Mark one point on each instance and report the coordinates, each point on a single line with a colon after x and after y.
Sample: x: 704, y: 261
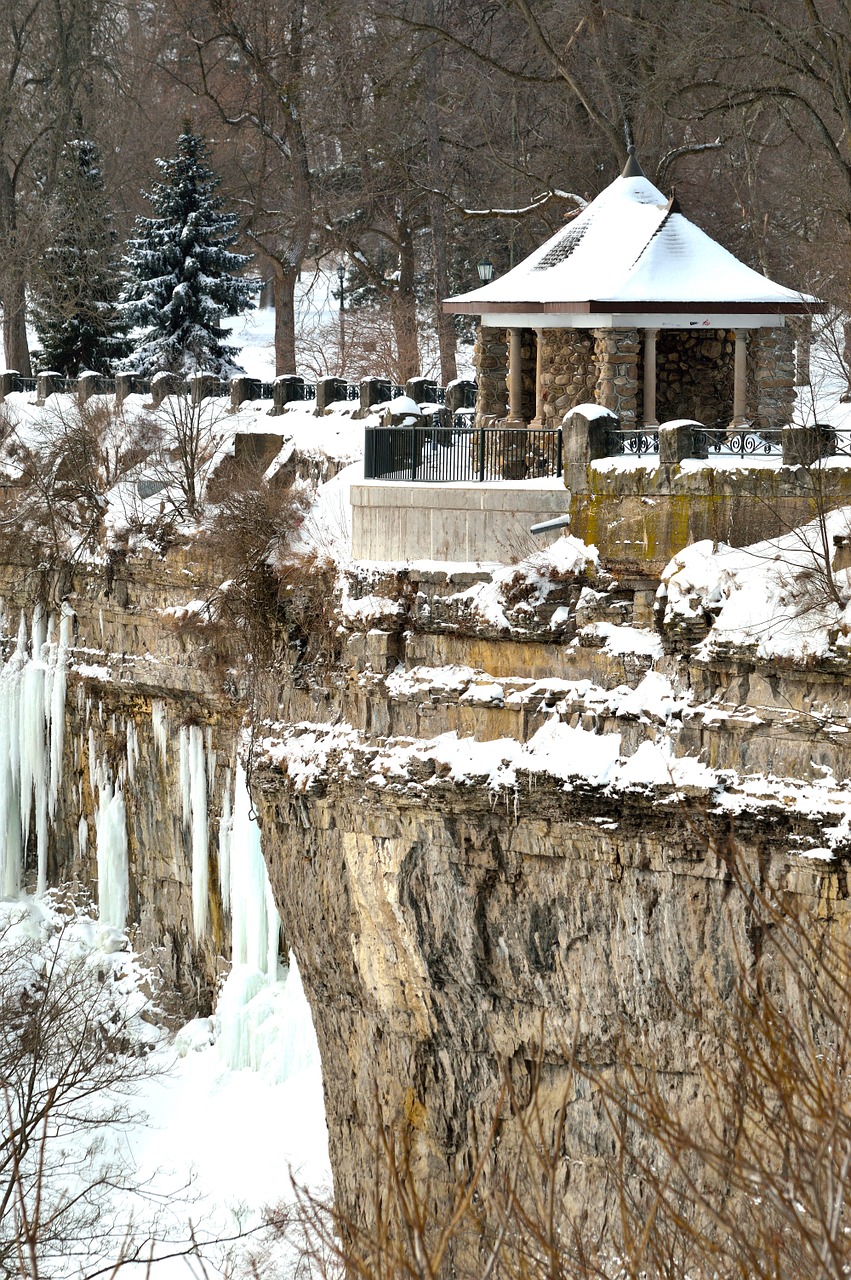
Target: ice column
x: 263, y: 1017
x: 32, y: 727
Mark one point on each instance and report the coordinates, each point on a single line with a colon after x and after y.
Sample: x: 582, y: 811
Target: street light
x: 485, y: 270
x: 341, y: 276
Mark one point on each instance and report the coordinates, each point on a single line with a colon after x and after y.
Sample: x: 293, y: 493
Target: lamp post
x: 485, y: 270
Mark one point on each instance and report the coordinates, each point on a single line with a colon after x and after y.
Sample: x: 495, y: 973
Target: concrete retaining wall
x: 442, y: 522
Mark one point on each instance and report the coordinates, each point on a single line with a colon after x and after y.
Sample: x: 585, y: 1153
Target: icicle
x: 263, y: 1018
x: 200, y: 832
x: 111, y: 836
x: 32, y: 728
x: 225, y: 836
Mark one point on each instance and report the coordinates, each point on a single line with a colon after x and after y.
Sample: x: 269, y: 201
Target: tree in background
x: 182, y: 272
x: 75, y: 297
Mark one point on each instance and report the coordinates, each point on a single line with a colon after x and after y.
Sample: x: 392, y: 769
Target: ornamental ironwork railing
x: 744, y: 442
x: 634, y: 443
x: 461, y: 452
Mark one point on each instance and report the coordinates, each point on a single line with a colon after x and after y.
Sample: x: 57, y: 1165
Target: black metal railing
x: 24, y: 384
x: 744, y: 442
x: 461, y: 452
x: 632, y: 442
x: 352, y: 391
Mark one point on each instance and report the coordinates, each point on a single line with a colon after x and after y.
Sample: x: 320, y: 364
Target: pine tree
x: 75, y: 298
x: 181, y: 270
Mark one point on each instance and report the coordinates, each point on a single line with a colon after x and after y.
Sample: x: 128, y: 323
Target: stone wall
x: 771, y: 376
x: 694, y: 376
x: 568, y: 371
x: 528, y: 372
x: 619, y: 385
x: 490, y: 358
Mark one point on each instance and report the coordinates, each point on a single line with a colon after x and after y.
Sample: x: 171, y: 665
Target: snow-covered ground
x: 200, y: 1148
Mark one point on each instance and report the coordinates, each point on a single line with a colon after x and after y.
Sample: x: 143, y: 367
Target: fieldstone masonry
x: 568, y: 371
x: 694, y: 376
x: 619, y: 385
x: 771, y: 376
x: 491, y: 360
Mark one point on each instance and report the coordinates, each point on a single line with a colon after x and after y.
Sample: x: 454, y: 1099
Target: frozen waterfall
x: 32, y: 726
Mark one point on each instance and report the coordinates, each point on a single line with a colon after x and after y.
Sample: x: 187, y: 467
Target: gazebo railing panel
x: 744, y: 442
x: 632, y: 442
x: 461, y: 453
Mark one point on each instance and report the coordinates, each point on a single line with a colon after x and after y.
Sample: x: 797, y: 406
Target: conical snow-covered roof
x: 631, y: 250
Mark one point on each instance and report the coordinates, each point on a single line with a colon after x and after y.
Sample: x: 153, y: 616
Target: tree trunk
x: 445, y: 324
x: 404, y: 308
x: 15, y: 345
x: 284, y: 292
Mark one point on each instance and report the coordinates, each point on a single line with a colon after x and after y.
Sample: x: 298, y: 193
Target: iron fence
x: 744, y: 442
x: 631, y: 442
x: 462, y: 452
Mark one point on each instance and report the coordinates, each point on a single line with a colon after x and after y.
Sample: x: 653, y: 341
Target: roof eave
x: 607, y: 306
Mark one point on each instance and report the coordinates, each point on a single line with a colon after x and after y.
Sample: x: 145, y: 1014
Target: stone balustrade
x: 284, y: 390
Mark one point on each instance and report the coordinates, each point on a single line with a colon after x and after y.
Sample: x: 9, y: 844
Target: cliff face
x: 516, y: 844
x: 502, y: 820
x: 145, y: 699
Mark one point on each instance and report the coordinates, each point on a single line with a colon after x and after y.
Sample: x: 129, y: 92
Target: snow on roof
x: 630, y: 245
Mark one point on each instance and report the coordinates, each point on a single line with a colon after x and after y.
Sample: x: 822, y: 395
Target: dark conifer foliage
x: 75, y: 295
x: 182, y: 275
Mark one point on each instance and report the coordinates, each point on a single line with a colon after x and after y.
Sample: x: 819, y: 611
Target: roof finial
x: 632, y: 169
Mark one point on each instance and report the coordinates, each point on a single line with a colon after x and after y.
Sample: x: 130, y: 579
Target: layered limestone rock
x: 507, y: 829
x: 499, y: 813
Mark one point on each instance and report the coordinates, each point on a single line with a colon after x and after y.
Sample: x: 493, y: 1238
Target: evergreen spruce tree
x: 181, y: 272
x: 75, y: 297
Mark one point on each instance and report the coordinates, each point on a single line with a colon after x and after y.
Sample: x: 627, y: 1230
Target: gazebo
x: 633, y: 306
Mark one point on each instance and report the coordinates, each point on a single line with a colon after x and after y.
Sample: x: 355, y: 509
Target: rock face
x: 499, y: 818
x: 481, y: 913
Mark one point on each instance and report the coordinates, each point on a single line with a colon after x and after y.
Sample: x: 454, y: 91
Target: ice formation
x: 32, y: 723
x: 263, y: 1017
x: 111, y: 837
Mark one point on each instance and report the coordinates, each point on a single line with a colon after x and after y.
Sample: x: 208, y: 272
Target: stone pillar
x: 490, y: 358
x: 771, y: 377
x: 539, y: 387
x: 515, y: 375
x: 677, y: 441
x: 616, y: 358
x: 123, y: 386
x: 421, y: 390
x: 8, y: 382
x: 373, y: 391
x: 803, y: 333
x: 204, y: 386
x: 87, y: 385
x: 740, y: 380
x: 243, y: 388
x: 47, y: 384
x: 328, y: 390
x: 650, y: 419
x: 286, y: 388
x: 460, y: 394
x: 167, y: 384
x: 584, y: 433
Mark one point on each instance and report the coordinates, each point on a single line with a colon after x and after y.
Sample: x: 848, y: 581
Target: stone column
x: 515, y: 375
x: 539, y: 388
x: 740, y: 380
x: 650, y: 419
